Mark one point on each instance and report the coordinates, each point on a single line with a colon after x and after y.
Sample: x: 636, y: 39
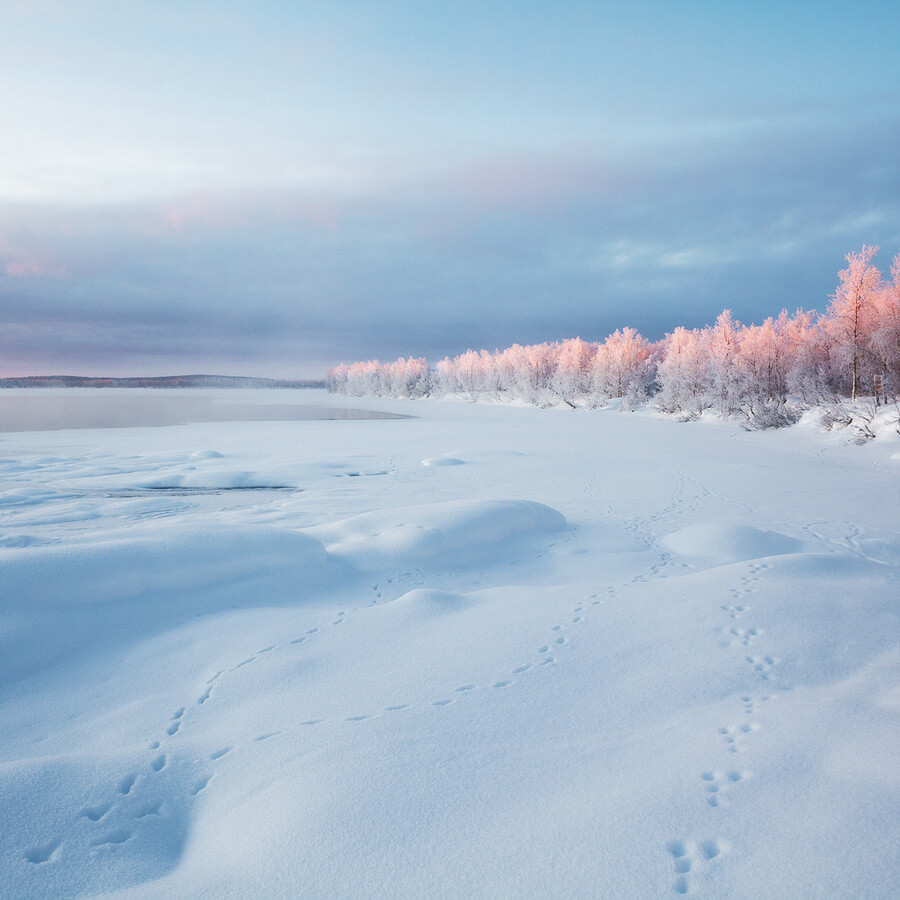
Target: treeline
x: 766, y: 373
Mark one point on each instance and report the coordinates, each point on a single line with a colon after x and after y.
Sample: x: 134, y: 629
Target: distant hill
x: 164, y: 381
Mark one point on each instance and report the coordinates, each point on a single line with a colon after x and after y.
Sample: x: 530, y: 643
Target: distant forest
x: 765, y: 373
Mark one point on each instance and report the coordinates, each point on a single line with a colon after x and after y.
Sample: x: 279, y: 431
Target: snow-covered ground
x: 487, y: 651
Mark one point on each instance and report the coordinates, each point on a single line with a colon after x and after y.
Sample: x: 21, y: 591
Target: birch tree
x: 851, y: 315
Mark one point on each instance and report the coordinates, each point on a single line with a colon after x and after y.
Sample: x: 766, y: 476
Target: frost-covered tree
x: 813, y: 376
x: 851, y: 316
x: 359, y: 379
x: 540, y: 366
x: 682, y: 374
x: 571, y: 379
x: 623, y: 366
x: 469, y: 368
x: 445, y: 380
x: 725, y: 374
x: 407, y: 378
x: 750, y: 370
x: 885, y: 338
x: 768, y: 354
x: 525, y: 372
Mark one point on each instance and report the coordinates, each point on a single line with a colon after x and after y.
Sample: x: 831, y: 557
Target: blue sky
x: 274, y: 187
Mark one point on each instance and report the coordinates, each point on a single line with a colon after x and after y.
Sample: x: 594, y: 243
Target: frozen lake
x: 52, y: 409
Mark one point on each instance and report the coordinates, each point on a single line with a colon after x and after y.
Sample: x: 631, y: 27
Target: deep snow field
x: 486, y: 652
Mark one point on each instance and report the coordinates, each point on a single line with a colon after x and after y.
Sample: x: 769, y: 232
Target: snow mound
x: 463, y: 529
x: 427, y: 603
x: 183, y: 558
x: 61, y: 599
x: 217, y: 479
x: 433, y: 461
x: 728, y: 543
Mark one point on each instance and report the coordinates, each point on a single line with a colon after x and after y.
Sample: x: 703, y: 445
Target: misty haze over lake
x: 73, y: 408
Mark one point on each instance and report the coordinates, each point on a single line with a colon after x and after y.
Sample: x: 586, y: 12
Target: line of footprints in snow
x: 688, y: 857
x: 134, y: 783
x: 694, y: 856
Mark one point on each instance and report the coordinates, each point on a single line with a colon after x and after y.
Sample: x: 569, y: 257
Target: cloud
x: 24, y: 262
x: 484, y: 251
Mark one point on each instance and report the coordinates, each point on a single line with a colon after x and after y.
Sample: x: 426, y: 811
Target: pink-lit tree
x: 851, y: 320
x: 623, y: 366
x: 571, y: 379
x: 682, y: 374
x: 749, y: 371
x: 885, y: 338
x: 725, y: 376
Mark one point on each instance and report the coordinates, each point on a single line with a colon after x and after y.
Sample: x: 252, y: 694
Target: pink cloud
x: 18, y: 263
x: 223, y: 213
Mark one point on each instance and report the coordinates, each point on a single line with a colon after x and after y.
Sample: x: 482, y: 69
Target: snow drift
x: 726, y: 543
x: 466, y: 529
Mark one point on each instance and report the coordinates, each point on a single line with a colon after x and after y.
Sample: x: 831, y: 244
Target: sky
x: 270, y: 188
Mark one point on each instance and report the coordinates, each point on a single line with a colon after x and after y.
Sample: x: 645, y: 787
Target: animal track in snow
x: 218, y: 754
x: 95, y: 813
x: 116, y: 836
x: 733, y: 735
x: 126, y: 784
x: 200, y: 785
x: 159, y: 763
x: 734, y: 612
x: 747, y: 581
x: 465, y: 687
x: 174, y: 726
x: 43, y: 853
x: 744, y: 636
x: 750, y: 703
x: 501, y: 684
x: 149, y: 809
x: 762, y: 665
x: 689, y: 857
x: 715, y: 781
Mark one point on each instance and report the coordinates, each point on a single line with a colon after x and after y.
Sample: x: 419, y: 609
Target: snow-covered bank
x: 586, y: 655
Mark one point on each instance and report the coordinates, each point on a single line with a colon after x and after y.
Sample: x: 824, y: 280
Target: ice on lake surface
x: 486, y: 651
x: 35, y: 409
